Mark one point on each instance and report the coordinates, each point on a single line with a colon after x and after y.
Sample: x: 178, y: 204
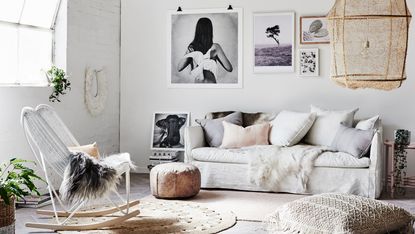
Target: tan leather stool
x: 174, y: 180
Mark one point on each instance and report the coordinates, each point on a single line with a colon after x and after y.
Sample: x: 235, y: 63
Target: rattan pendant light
x: 369, y: 40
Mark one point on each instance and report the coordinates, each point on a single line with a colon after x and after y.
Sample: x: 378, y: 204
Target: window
x: 26, y: 41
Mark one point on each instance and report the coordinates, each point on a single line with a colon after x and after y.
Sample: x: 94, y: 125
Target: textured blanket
x: 86, y: 178
x: 268, y: 168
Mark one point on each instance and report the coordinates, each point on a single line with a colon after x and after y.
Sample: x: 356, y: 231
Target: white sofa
x: 333, y: 172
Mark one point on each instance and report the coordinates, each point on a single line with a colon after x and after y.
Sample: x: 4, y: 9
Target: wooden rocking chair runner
x: 49, y: 139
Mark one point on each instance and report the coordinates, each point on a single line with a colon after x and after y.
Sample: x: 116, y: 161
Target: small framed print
x: 168, y: 130
x: 274, y: 41
x: 309, y: 62
x: 313, y: 30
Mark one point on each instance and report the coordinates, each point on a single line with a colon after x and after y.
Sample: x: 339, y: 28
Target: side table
x: 408, y: 182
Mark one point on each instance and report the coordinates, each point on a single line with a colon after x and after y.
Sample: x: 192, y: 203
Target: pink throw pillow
x: 237, y: 136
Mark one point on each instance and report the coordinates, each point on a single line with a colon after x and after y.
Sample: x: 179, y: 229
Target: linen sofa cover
x: 227, y: 169
x: 243, y: 155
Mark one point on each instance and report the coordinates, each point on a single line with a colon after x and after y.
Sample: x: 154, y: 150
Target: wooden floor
x: 140, y: 188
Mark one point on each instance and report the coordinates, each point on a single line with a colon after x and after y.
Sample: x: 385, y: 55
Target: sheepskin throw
x: 339, y: 213
x: 86, y: 178
x: 268, y: 168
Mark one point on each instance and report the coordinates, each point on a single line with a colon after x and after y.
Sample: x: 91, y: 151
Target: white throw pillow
x: 368, y: 123
x: 288, y: 128
x: 326, y: 125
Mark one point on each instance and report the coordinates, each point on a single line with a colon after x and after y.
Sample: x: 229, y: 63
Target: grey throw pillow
x: 213, y: 128
x: 353, y: 141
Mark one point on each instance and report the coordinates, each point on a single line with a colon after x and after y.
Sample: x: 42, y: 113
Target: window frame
x: 51, y: 29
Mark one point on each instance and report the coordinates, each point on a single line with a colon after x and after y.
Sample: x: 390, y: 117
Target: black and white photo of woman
x: 202, y: 54
x: 204, y: 49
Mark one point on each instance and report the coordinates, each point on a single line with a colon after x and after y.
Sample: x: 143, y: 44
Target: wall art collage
x: 205, y: 46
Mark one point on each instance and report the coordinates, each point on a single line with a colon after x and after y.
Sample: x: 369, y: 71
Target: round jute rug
x: 164, y: 216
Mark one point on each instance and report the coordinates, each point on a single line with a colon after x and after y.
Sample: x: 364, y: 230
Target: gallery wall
x: 87, y: 34
x: 144, y: 82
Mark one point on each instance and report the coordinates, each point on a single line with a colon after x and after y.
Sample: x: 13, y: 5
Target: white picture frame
x: 274, y: 42
x: 227, y: 34
x: 162, y: 128
x: 309, y: 62
x: 317, y: 34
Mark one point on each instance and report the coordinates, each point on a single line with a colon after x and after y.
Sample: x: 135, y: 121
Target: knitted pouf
x: 174, y: 180
x: 340, y: 213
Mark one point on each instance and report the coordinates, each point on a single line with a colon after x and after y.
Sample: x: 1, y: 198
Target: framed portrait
x: 168, y: 130
x: 274, y: 37
x: 205, y: 49
x: 309, y: 62
x: 313, y: 30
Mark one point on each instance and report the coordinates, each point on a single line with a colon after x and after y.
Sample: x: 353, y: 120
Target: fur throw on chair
x: 86, y: 178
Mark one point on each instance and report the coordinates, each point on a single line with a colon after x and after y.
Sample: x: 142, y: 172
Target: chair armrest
x: 194, y: 138
x: 377, y: 164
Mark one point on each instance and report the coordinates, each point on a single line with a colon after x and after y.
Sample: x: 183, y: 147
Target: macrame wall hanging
x: 369, y: 40
x: 95, y: 91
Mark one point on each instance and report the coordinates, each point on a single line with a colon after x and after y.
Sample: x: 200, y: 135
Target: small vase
x: 402, y: 137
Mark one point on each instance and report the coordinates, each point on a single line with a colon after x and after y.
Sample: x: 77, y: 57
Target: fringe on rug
x: 276, y: 225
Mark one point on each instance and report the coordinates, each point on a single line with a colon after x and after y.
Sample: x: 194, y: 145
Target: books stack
x: 160, y: 157
x: 33, y: 201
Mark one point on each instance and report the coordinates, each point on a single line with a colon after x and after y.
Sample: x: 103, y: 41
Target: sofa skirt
x: 322, y: 180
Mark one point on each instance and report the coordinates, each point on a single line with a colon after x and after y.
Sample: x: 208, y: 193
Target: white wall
x: 143, y: 76
x: 87, y: 36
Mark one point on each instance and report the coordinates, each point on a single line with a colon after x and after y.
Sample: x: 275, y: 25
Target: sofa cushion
x: 235, y: 136
x: 213, y: 128
x: 242, y: 156
x: 218, y: 155
x: 248, y: 119
x: 341, y: 159
x: 326, y: 124
x: 289, y: 127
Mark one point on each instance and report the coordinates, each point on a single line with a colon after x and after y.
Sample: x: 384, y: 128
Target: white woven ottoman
x: 174, y: 180
x: 339, y: 213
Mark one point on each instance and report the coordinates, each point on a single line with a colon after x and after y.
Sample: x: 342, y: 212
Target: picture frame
x: 309, y: 62
x: 313, y: 30
x: 274, y: 42
x: 168, y: 130
x: 189, y: 66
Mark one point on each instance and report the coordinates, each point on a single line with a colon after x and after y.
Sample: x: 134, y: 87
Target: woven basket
x: 369, y: 42
x: 7, y: 213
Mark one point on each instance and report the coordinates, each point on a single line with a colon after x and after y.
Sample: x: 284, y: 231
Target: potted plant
x: 16, y: 181
x: 59, y: 81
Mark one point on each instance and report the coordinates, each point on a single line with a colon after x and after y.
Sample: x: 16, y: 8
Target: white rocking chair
x: 49, y: 139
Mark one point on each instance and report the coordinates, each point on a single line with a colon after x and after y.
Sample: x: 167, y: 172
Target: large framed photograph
x: 205, y: 49
x: 313, y: 30
x: 168, y: 130
x: 309, y: 62
x: 274, y: 37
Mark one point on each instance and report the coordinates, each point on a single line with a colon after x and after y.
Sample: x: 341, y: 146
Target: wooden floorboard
x: 140, y: 187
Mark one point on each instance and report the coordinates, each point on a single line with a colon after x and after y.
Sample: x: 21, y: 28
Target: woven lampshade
x: 369, y: 41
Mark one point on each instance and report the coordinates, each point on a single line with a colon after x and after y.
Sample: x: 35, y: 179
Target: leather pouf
x: 174, y: 180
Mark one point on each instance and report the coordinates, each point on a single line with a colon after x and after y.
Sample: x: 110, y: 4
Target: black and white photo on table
x: 205, y: 48
x: 168, y: 130
x: 309, y: 62
x: 274, y: 35
x: 313, y: 30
